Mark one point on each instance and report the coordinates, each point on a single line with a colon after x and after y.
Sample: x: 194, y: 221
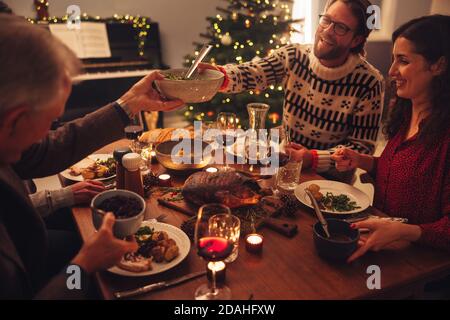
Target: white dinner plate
x: 182, y: 241
x: 86, y: 162
x: 337, y: 188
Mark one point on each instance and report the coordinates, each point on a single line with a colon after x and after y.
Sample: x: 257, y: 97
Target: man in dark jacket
x: 34, y: 87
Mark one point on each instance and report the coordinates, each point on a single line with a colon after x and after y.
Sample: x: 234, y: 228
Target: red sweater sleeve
x: 437, y: 234
x: 373, y: 172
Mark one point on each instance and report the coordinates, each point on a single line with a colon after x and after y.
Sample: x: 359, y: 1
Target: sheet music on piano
x: 90, y: 41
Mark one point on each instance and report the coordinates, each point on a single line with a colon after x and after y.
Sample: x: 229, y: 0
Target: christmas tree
x: 244, y: 31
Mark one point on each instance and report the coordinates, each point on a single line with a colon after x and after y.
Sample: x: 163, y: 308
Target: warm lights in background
x: 141, y: 25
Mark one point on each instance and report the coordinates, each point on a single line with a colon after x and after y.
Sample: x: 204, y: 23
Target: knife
x: 158, y: 285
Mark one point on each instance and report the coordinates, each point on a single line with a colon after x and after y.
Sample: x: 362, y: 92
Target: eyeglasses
x: 339, y: 28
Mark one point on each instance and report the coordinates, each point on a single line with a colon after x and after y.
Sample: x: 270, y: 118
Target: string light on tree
x: 41, y: 7
x: 226, y: 39
x: 141, y: 25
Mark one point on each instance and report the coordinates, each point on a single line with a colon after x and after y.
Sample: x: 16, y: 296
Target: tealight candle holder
x: 165, y: 180
x: 153, y: 157
x: 212, y: 170
x: 220, y: 268
x: 254, y: 243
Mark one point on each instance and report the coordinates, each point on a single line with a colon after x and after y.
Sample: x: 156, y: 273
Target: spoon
x: 205, y: 50
x: 319, y: 215
x: 99, y: 211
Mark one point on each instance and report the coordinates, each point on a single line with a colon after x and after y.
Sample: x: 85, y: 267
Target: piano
x: 105, y: 79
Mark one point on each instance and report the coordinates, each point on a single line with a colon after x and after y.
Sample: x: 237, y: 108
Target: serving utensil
x: 319, y: 214
x: 99, y: 211
x: 203, y: 52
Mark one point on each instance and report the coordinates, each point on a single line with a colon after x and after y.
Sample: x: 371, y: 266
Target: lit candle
x: 212, y: 170
x: 274, y: 117
x: 254, y: 243
x: 219, y: 267
x: 165, y: 180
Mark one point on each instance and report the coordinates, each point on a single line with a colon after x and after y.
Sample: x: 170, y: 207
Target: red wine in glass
x: 133, y: 132
x: 214, y: 248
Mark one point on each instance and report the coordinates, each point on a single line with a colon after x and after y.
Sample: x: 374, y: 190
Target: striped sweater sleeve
x: 260, y: 74
x: 364, y: 122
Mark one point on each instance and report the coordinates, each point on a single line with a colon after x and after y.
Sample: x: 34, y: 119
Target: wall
x: 440, y: 6
x: 180, y: 21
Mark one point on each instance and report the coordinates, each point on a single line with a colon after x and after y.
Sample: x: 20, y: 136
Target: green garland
x: 140, y: 24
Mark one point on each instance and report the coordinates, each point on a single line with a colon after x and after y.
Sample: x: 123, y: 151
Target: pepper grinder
x: 133, y: 177
x: 120, y: 170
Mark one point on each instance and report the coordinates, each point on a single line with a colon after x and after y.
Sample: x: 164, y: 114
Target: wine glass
x: 226, y: 123
x: 133, y: 131
x: 212, y: 248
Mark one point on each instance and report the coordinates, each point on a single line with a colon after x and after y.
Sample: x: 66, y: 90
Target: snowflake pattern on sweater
x: 323, y: 107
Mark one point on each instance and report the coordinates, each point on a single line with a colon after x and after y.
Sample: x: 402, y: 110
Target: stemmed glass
x: 212, y: 248
x: 226, y: 123
x: 133, y: 131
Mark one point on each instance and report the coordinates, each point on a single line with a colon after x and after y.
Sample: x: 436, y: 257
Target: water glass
x: 288, y: 177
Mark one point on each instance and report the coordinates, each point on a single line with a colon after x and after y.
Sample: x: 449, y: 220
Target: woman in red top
x: 412, y: 176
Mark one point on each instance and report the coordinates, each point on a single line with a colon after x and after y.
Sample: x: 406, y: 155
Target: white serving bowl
x: 201, y: 88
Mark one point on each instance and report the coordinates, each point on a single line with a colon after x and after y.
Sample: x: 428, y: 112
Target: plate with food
x: 95, y: 167
x: 333, y: 197
x: 161, y: 247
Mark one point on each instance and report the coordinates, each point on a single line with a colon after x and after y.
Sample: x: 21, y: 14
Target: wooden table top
x: 288, y: 269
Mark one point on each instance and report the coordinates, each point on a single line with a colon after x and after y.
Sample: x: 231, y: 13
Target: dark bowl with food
x: 128, y: 208
x: 342, y: 243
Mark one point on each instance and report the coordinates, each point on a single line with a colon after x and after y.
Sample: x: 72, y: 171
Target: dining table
x: 288, y: 268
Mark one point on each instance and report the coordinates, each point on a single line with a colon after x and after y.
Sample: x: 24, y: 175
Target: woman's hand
x: 298, y: 152
x: 384, y: 234
x: 142, y: 96
x: 346, y: 159
x: 206, y: 66
x: 103, y: 250
x: 84, y: 191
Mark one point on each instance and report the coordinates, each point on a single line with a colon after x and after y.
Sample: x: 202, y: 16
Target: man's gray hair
x: 33, y: 63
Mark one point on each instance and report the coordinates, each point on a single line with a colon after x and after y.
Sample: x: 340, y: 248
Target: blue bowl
x: 342, y: 243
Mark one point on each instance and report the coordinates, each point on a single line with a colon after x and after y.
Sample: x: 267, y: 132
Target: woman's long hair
x: 430, y: 37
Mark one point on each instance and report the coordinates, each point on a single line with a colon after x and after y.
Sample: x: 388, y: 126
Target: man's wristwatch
x: 125, y: 108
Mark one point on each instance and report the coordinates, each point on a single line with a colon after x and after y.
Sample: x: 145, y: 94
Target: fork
x: 161, y: 217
